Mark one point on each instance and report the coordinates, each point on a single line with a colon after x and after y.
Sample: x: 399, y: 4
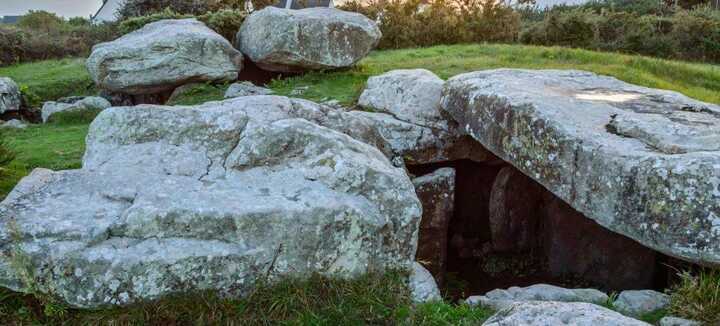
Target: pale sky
x: 66, y: 8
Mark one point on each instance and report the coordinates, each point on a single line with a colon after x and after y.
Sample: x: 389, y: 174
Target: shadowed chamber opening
x: 254, y: 74
x: 250, y: 73
x: 507, y: 230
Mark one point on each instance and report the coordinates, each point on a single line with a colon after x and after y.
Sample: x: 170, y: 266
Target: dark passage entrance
x: 507, y: 230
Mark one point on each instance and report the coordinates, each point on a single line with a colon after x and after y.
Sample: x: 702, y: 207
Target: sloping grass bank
x: 700, y: 81
x: 373, y: 299
x: 49, y: 80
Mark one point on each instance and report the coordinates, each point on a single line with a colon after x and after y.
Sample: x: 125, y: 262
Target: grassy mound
x: 373, y: 299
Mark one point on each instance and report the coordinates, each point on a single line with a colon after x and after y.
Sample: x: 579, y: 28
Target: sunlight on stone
x: 608, y: 97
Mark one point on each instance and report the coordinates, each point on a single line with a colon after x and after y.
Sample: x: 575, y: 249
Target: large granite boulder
x: 675, y: 321
x: 162, y: 56
x: 285, y: 40
x: 246, y: 89
x: 13, y: 124
x: 183, y: 199
x: 559, y: 313
x: 641, y: 162
x: 10, y: 98
x: 90, y: 104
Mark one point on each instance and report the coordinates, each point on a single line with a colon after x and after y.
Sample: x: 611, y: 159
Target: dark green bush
x: 685, y: 34
x: 41, y: 35
x: 135, y: 23
x: 11, y: 45
x: 417, y: 23
x: 138, y: 8
x: 697, y: 34
x: 225, y: 22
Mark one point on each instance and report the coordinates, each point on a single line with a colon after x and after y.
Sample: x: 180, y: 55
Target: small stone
x: 640, y: 302
x: 559, y: 313
x: 423, y: 286
x: 182, y: 90
x: 246, y: 89
x: 501, y: 299
x: 675, y: 321
x: 640, y: 162
x: 13, y: 124
x: 79, y: 104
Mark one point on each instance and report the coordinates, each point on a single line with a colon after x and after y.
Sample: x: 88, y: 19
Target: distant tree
x: 137, y: 8
x: 41, y: 21
x: 692, y: 3
x: 79, y: 21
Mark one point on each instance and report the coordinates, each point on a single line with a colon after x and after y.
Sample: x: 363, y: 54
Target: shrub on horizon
x: 417, y: 23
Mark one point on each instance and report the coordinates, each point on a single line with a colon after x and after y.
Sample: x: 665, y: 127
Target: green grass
x: 200, y: 94
x: 53, y: 146
x: 372, y: 299
x: 50, y: 80
x: 697, y: 297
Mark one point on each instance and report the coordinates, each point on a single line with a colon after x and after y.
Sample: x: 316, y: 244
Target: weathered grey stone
x: 181, y: 91
x: 86, y: 104
x: 675, y: 321
x: 559, y: 313
x: 285, y: 40
x: 162, y: 56
x: 413, y: 98
x: 436, y: 192
x: 515, y: 204
x: 578, y: 247
x: 408, y: 95
x: 589, y: 140
x: 502, y: 299
x: 422, y: 285
x: 13, y: 124
x: 640, y: 302
x: 414, y: 143
x: 10, y: 98
x: 182, y: 199
x: 246, y: 89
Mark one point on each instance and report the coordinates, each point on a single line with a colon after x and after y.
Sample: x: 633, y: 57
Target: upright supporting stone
x: 515, y: 211
x: 577, y: 246
x: 437, y: 195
